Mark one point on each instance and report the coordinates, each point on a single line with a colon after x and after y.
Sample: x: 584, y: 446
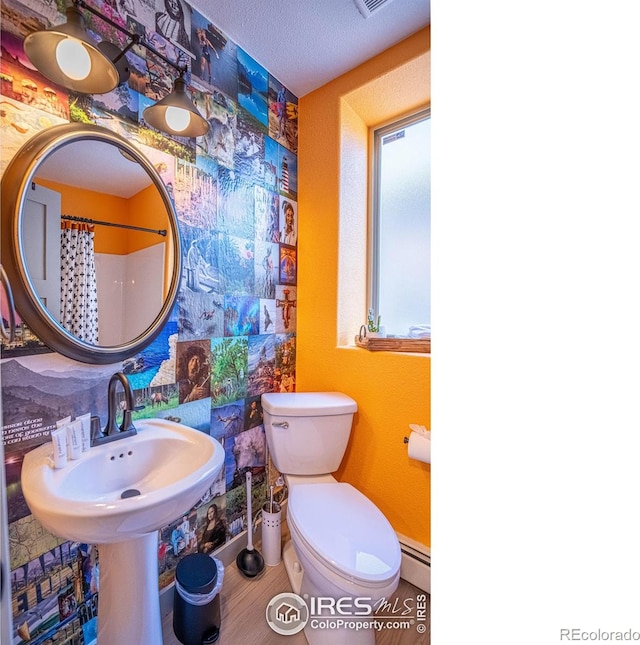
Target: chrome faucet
x: 112, y: 431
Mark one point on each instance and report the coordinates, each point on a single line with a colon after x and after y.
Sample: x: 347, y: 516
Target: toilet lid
x: 346, y: 530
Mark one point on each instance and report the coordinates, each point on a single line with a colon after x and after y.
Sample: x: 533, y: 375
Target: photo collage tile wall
x: 235, y: 318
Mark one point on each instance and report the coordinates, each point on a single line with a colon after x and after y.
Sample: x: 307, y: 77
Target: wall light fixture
x: 67, y: 55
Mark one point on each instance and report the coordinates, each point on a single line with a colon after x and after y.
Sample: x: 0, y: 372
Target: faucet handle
x: 96, y: 430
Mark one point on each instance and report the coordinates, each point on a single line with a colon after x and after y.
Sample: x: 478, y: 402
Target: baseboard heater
x: 416, y: 563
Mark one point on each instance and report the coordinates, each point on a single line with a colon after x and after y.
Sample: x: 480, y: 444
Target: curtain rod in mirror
x: 86, y: 220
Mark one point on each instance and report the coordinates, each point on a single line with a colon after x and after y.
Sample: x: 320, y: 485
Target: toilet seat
x: 345, y: 530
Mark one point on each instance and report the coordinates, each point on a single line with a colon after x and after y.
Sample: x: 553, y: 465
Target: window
x: 400, y: 241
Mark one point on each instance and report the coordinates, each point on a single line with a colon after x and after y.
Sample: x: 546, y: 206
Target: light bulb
x: 177, y: 118
x: 73, y: 59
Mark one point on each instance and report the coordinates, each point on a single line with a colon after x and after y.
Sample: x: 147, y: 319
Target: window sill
x: 394, y: 344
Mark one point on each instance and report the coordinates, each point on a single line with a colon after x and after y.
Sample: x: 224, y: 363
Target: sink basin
x: 123, y: 489
x: 117, y: 496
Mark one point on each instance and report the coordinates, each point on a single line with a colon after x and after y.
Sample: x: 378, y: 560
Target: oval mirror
x: 90, y: 243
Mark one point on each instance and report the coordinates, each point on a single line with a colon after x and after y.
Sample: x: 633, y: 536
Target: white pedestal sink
x: 164, y: 470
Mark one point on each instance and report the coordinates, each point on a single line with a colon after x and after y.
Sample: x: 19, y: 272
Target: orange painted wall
x: 392, y: 389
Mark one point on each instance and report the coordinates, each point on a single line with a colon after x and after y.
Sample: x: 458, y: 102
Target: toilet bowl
x: 342, y: 546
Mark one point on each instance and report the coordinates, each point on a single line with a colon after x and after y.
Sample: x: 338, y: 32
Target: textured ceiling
x: 307, y: 43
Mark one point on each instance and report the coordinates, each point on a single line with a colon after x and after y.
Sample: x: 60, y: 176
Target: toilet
x: 341, y: 546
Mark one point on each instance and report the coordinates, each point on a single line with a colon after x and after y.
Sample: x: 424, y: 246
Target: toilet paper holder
x: 419, y: 443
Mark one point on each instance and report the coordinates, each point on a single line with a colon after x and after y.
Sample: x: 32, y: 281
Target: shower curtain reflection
x: 78, y: 289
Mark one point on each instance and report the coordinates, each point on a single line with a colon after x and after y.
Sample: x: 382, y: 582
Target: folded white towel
x: 420, y: 331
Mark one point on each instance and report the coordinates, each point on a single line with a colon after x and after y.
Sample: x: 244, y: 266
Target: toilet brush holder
x: 271, y: 533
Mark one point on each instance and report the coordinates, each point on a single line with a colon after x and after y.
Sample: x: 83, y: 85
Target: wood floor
x: 244, y: 602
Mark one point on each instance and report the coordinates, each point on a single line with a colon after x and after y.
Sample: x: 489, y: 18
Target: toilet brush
x: 249, y: 560
x: 271, y: 532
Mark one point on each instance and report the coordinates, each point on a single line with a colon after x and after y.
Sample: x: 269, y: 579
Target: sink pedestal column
x: 128, y: 597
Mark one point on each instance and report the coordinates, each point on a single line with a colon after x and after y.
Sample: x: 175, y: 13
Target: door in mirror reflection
x: 41, y: 235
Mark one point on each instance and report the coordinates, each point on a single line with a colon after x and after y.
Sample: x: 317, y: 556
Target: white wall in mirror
x: 127, y: 302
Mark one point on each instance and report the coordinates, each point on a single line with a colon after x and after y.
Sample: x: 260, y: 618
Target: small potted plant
x: 374, y: 328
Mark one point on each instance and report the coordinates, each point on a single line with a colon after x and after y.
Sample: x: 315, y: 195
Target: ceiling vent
x: 368, y: 7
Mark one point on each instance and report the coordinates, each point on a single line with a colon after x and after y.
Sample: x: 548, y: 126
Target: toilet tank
x: 307, y: 432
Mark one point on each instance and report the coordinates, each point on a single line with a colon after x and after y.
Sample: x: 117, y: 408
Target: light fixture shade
x: 156, y: 115
x: 41, y: 47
